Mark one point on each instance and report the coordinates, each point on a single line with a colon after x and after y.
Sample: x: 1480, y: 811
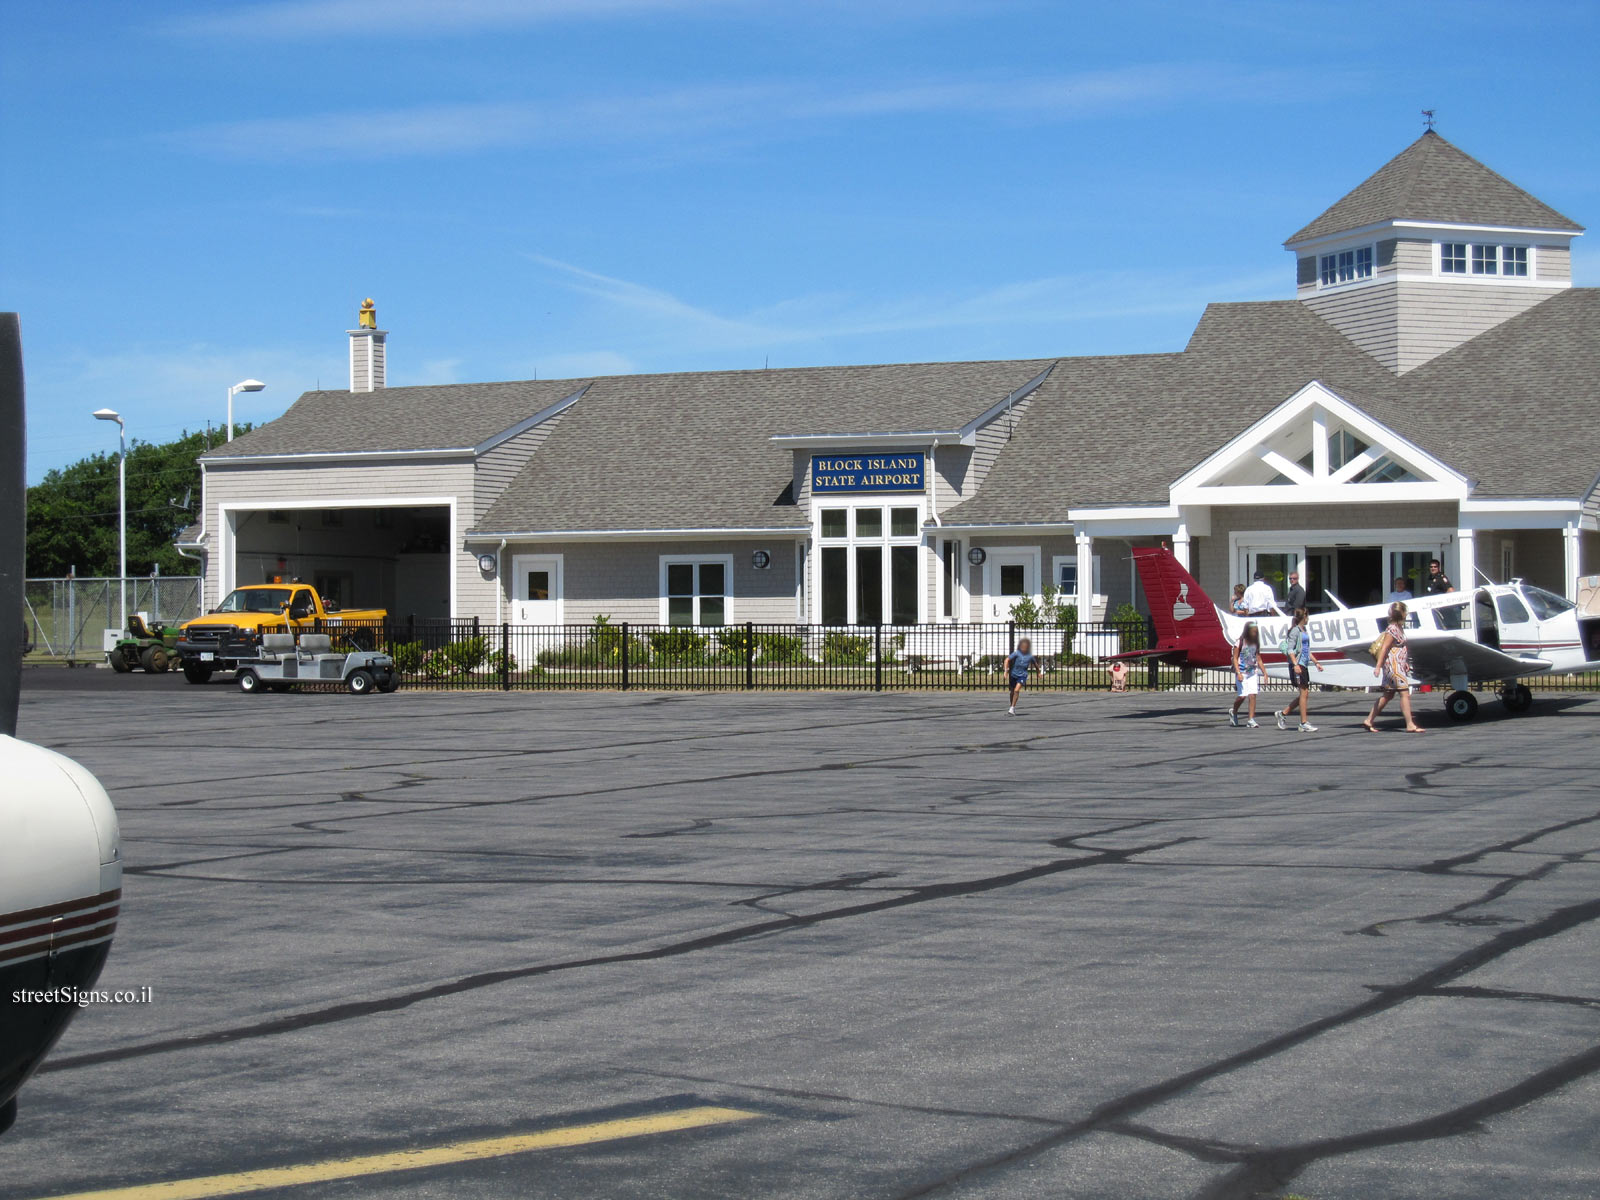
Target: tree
x: 72, y: 511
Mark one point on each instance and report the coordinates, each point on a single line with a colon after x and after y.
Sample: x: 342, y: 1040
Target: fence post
x: 1154, y: 677
x: 505, y: 656
x: 877, y: 657
x: 626, y: 639
x: 749, y: 655
x: 1011, y: 637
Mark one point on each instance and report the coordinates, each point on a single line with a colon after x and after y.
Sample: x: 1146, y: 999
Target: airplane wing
x: 1436, y: 659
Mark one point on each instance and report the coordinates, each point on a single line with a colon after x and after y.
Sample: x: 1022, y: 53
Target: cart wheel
x: 391, y: 683
x: 1462, y: 706
x: 249, y: 681
x: 361, y: 682
x: 197, y: 673
x: 154, y: 659
x: 119, y: 662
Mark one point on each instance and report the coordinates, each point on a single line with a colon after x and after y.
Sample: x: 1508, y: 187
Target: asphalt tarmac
x: 827, y: 945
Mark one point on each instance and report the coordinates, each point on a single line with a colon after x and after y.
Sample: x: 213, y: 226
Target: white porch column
x: 1467, y: 566
x: 1085, y: 599
x: 1180, y: 545
x: 1574, y: 559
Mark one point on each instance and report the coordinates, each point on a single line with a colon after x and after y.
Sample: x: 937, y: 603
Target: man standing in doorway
x: 1401, y: 593
x: 1438, y: 581
x: 1296, y: 599
x: 1258, y: 598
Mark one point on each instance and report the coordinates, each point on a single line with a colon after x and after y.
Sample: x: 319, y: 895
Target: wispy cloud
x: 656, y: 320
x: 412, y: 18
x: 690, y: 113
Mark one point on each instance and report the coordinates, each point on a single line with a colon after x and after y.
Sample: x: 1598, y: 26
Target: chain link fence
x: 65, y: 618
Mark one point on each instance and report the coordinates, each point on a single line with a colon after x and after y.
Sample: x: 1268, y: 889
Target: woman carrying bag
x: 1394, y: 669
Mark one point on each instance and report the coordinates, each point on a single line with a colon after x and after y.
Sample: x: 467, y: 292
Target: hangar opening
x: 391, y: 557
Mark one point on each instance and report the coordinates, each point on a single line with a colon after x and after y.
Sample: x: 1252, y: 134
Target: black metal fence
x: 622, y: 656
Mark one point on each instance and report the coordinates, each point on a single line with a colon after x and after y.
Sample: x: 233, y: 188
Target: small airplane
x: 60, y: 858
x: 1500, y: 632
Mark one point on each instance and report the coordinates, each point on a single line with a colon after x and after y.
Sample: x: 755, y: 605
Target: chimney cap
x: 368, y: 316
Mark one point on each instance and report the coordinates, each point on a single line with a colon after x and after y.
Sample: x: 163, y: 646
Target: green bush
x: 678, y: 647
x: 1132, y: 625
x: 601, y: 647
x: 733, y: 643
x: 407, y: 657
x: 846, y: 650
x: 1025, y: 612
x: 781, y: 649
x: 467, y: 654
x: 499, y: 661
x: 1050, y: 611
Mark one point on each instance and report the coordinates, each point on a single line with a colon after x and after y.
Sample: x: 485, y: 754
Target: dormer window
x: 1346, y: 266
x: 1507, y: 262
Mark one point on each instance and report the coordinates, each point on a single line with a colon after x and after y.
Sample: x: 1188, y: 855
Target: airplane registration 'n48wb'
x: 1502, y: 632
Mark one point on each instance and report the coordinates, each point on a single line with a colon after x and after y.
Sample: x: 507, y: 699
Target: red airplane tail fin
x: 1188, y: 627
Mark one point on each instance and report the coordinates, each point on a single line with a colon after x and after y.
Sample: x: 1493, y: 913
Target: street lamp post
x: 249, y: 385
x: 111, y: 414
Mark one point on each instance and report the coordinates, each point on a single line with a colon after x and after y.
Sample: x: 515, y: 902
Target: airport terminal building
x: 1430, y: 391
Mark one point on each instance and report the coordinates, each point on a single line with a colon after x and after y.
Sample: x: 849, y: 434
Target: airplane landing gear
x: 1462, y: 706
x: 1518, y: 697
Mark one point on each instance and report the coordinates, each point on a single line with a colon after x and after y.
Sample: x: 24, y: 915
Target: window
x: 1346, y: 266
x: 1514, y: 261
x: 951, y: 580
x: 875, y: 576
x: 1546, y: 604
x: 1453, y: 258
x: 1486, y: 260
x: 538, y: 585
x: 1342, y: 447
x: 696, y: 591
x: 1511, y: 610
x: 276, y: 516
x: 1067, y: 575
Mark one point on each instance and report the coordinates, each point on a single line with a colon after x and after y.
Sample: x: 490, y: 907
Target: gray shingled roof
x: 693, y: 451
x: 1119, y: 431
x: 1115, y: 431
x: 1432, y: 180
x: 435, y: 417
x: 1514, y: 408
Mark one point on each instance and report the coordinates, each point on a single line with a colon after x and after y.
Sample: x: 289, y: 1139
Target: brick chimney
x: 366, y: 351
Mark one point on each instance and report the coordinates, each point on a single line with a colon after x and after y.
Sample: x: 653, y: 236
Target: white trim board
x: 227, y: 550
x: 1322, y: 485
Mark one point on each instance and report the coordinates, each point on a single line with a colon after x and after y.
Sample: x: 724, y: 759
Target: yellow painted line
x: 240, y: 1182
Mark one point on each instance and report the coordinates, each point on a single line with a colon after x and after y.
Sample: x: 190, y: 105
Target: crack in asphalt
x: 912, y: 895
x: 1112, y: 1113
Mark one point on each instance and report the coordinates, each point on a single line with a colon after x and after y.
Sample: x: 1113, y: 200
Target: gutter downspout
x: 499, y: 579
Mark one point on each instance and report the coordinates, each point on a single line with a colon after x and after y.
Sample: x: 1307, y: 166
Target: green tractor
x: 150, y: 646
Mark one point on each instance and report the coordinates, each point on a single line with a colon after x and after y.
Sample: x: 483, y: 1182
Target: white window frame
x: 1324, y: 259
x: 1071, y: 560
x: 850, y: 542
x: 695, y: 560
x: 1500, y: 245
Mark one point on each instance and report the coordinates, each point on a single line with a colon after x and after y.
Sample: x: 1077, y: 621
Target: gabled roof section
x: 439, y: 417
x: 1432, y: 180
x: 695, y: 450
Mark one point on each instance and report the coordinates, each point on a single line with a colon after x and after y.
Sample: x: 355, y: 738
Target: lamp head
x: 108, y: 414
x: 249, y: 385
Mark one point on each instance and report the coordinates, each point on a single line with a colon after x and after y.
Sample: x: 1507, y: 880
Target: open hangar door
x: 391, y: 557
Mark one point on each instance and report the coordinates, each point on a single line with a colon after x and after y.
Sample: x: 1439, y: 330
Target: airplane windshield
x: 1545, y: 604
x: 255, y: 600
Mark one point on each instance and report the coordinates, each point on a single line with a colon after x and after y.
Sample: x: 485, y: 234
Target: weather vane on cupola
x: 1427, y: 119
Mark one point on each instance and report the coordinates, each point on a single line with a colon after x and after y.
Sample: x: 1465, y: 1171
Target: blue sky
x: 200, y: 193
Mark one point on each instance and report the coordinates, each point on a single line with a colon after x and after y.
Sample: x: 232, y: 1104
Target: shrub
x: 407, y: 657
x: 499, y: 660
x: 1025, y: 611
x: 781, y: 649
x: 1132, y: 625
x: 467, y: 654
x: 845, y: 650
x: 678, y: 647
x: 733, y: 643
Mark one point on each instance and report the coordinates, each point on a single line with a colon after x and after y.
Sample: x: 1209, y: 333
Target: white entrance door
x: 536, y: 589
x: 1276, y: 564
x: 1009, y: 575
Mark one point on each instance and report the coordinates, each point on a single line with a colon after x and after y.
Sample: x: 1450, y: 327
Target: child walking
x: 1247, y: 669
x: 1018, y: 663
x: 1300, y: 663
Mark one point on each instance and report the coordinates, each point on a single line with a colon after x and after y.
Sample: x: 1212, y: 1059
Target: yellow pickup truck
x: 231, y: 633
